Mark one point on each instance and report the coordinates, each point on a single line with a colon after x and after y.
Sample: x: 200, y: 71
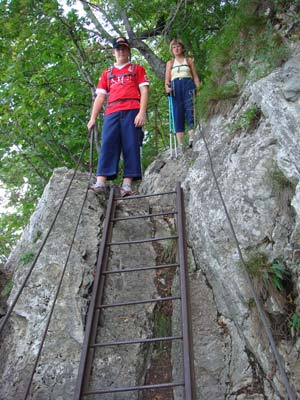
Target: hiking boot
x: 98, y: 187
x: 191, y: 142
x: 126, y: 190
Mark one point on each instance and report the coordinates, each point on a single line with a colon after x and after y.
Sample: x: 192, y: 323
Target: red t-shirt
x: 122, y: 84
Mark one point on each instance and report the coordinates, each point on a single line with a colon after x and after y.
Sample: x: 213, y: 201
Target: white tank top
x: 179, y: 70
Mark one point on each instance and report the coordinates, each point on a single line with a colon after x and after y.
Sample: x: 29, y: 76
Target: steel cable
x: 57, y: 293
x: 260, y: 309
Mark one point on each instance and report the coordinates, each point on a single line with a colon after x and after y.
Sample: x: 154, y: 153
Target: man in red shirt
x: 127, y: 88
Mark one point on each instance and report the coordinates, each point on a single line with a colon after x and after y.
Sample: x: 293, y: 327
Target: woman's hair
x: 176, y: 41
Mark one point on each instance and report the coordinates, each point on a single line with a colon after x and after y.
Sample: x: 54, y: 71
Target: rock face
x: 256, y: 164
x: 69, y: 256
x: 21, y: 345
x: 257, y: 170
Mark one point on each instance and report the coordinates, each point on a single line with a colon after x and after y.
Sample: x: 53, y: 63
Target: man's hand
x: 91, y: 123
x: 140, y: 120
x: 98, y: 103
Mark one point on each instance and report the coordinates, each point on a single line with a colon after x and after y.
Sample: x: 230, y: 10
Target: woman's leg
x: 178, y: 109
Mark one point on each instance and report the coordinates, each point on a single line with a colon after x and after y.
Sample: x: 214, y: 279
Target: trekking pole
x: 173, y: 95
x: 91, y: 149
x: 141, y: 150
x: 172, y: 126
x: 194, y: 109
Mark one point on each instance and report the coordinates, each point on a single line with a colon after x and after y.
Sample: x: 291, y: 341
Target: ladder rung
x: 139, y: 302
x: 133, y: 388
x: 136, y: 341
x: 142, y: 241
x: 144, y: 216
x: 140, y: 196
x: 141, y: 269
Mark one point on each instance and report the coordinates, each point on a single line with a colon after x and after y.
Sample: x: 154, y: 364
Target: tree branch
x: 136, y: 42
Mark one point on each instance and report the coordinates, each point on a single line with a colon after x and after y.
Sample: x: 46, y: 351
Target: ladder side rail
x: 185, y: 306
x: 97, y: 310
x: 90, y: 325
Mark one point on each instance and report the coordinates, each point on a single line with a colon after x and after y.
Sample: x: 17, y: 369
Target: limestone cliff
x: 257, y: 168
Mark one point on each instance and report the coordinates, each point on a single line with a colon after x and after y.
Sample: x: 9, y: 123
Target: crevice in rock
x: 158, y: 357
x: 192, y: 253
x: 256, y: 387
x: 227, y: 343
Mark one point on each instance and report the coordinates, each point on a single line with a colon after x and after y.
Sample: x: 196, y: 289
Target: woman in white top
x: 181, y: 80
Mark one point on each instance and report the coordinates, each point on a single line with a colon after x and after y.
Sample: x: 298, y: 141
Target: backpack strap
x: 111, y: 75
x: 188, y: 60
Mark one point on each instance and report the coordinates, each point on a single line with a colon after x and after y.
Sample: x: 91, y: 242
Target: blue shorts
x: 183, y: 90
x: 120, y: 134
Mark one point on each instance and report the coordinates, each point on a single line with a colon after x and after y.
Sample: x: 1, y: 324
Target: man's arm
x: 140, y: 119
x: 98, y: 104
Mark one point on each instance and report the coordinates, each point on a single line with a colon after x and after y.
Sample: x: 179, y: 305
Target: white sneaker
x: 179, y: 151
x: 125, y: 190
x: 98, y: 187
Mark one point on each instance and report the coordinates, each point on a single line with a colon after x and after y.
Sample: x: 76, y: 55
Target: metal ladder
x: 82, y: 390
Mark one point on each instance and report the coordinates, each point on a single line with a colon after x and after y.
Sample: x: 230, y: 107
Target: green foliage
x: 248, y: 47
x: 269, y: 52
x: 162, y: 327
x: 170, y: 250
x: 44, y: 100
x: 294, y: 322
x: 277, y: 273
x: 9, y: 235
x: 7, y: 289
x: 247, y: 120
x: 279, y: 181
x: 27, y: 258
x: 251, y: 303
x: 38, y: 235
x: 270, y: 273
x: 256, y: 263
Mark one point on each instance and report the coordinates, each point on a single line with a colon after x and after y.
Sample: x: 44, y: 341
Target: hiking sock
x: 100, y: 184
x: 127, y: 187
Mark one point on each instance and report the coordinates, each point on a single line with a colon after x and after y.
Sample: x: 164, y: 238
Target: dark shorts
x: 120, y: 134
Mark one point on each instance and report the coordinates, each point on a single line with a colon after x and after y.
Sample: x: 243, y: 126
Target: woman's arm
x: 168, y: 77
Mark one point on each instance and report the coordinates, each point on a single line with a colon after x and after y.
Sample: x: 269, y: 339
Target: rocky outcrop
x: 255, y: 155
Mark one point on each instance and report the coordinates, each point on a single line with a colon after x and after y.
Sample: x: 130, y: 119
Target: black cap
x: 120, y: 41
